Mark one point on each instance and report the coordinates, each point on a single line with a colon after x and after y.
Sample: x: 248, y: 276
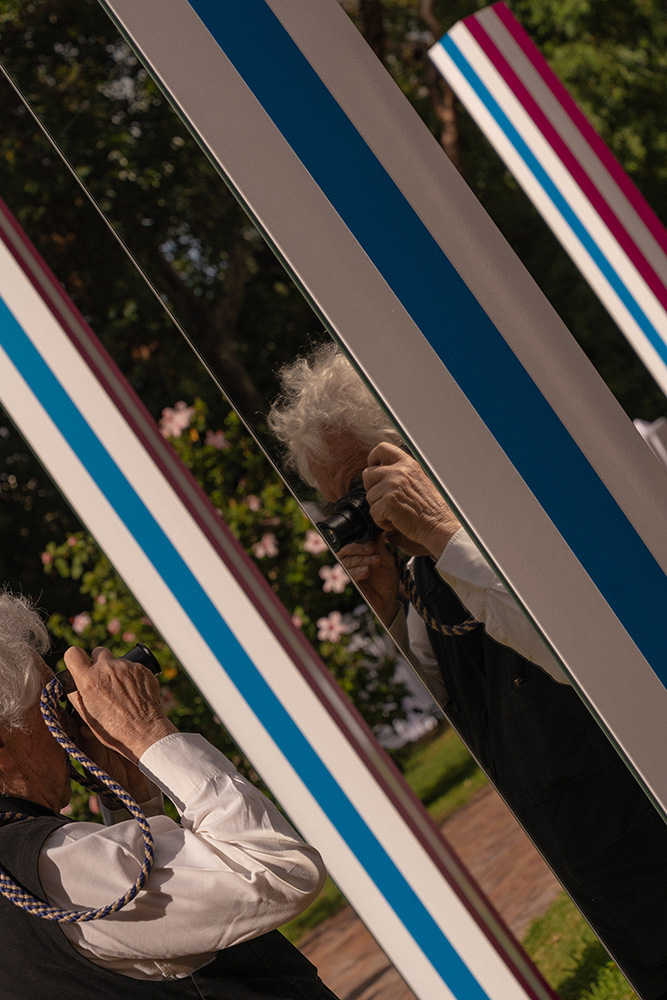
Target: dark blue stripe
x: 449, y: 316
x: 556, y: 198
x: 242, y: 671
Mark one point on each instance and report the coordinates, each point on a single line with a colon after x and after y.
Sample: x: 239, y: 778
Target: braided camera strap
x: 99, y: 781
x: 415, y: 600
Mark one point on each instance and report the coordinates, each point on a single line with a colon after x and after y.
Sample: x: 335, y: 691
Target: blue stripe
x: 556, y: 197
x: 447, y: 313
x: 242, y: 671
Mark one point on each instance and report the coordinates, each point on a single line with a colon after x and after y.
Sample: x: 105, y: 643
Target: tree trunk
x: 441, y: 94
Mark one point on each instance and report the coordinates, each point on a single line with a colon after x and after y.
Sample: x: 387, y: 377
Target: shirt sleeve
x: 484, y: 594
x: 409, y: 632
x: 232, y: 869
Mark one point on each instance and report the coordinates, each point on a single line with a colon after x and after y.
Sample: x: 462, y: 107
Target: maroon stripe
x: 568, y: 158
x: 599, y: 147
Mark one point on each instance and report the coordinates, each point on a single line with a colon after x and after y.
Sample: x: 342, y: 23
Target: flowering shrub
x: 175, y: 419
x: 270, y: 525
x: 335, y: 579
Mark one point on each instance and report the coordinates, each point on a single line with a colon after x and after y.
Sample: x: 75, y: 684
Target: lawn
x: 571, y: 958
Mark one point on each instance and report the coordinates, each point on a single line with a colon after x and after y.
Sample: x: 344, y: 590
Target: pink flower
x: 81, y: 622
x: 46, y: 558
x: 332, y: 627
x: 71, y: 541
x: 100, y: 599
x: 297, y: 621
x: 254, y: 503
x: 66, y: 810
x: 113, y: 628
x: 335, y: 579
x: 266, y: 546
x: 217, y: 440
x: 175, y: 419
x: 314, y: 543
x: 94, y: 805
x: 128, y: 637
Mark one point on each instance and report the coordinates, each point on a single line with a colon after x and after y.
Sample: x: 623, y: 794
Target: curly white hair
x: 320, y: 393
x: 23, y: 634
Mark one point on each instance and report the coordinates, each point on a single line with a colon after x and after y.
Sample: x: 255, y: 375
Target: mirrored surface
x: 244, y: 318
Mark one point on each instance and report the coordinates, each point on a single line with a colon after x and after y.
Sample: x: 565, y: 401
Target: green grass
x: 441, y: 772
x: 570, y: 957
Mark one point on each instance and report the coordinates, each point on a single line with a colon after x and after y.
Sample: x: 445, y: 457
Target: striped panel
x: 599, y: 216
x: 237, y: 642
x: 409, y: 273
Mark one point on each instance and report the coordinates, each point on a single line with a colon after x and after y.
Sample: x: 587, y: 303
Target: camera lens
x: 350, y: 522
x: 340, y: 529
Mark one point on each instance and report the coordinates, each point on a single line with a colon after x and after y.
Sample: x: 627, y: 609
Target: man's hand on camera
x: 119, y: 701
x: 372, y: 566
x: 404, y: 502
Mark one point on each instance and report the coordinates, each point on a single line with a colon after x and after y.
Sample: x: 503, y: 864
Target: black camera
x: 138, y: 654
x: 351, y: 521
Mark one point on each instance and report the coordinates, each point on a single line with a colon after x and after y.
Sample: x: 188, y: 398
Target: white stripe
x: 561, y: 177
x: 575, y: 140
x: 605, y: 241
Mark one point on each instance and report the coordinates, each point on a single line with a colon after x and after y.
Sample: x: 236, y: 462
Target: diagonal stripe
x: 470, y: 346
x: 556, y: 197
x: 244, y: 674
x: 581, y: 123
x: 580, y: 176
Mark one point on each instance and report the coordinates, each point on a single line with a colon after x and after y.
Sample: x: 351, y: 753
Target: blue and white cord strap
x: 101, y: 782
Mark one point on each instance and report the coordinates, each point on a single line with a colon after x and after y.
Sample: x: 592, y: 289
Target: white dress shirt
x: 486, y: 597
x: 231, y: 870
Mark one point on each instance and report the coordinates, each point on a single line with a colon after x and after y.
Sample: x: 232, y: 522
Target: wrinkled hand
x: 119, y: 701
x: 372, y: 566
x: 403, y: 499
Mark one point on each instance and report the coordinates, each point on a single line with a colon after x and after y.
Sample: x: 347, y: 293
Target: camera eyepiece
x: 351, y: 521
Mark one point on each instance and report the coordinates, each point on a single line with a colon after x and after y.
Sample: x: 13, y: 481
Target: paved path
x: 499, y: 856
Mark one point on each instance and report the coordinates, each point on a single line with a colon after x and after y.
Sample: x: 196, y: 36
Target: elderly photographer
x: 498, y: 684
x: 224, y: 877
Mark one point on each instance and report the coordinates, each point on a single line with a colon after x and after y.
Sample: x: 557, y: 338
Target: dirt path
x: 498, y: 855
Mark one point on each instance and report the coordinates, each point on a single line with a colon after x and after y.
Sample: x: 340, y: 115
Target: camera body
x: 351, y: 521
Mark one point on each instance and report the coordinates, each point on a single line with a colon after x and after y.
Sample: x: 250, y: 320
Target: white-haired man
x: 225, y: 876
x: 498, y: 684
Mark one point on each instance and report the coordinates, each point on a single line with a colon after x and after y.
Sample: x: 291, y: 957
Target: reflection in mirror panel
x: 195, y: 260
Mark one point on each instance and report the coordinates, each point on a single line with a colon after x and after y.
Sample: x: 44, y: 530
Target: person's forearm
x: 231, y: 870
x: 218, y: 802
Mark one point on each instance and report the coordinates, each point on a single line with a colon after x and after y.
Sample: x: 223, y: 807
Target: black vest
x: 565, y: 783
x: 38, y: 961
